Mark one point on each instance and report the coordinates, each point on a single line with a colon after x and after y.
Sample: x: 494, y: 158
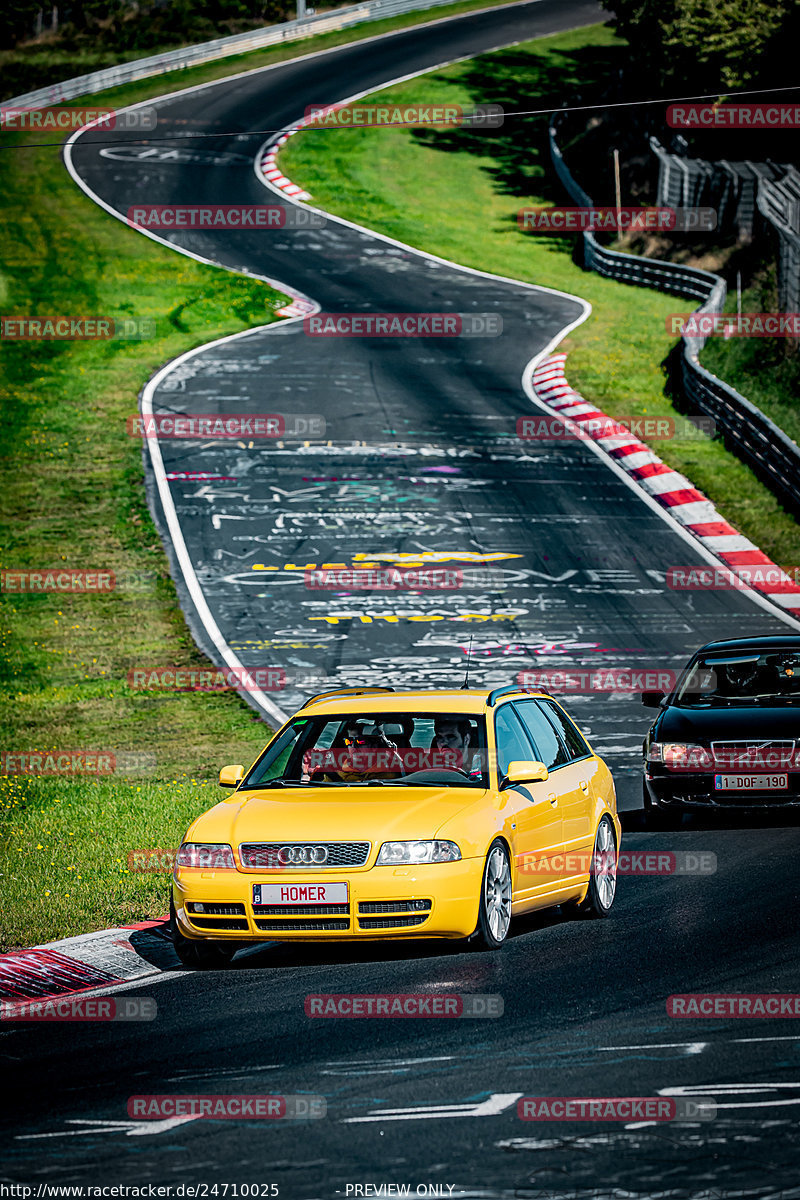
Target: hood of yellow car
x: 332, y: 814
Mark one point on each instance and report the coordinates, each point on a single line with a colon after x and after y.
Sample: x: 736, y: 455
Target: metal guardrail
x: 751, y: 434
x: 237, y: 43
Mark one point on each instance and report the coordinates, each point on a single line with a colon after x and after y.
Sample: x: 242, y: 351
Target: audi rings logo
x: 302, y: 856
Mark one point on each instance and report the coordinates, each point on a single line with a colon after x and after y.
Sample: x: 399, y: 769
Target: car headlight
x: 417, y: 852
x: 212, y: 856
x: 680, y: 756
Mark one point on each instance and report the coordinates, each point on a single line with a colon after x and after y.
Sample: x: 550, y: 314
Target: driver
x: 452, y: 737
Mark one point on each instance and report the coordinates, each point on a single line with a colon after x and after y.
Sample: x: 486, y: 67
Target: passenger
x: 452, y: 737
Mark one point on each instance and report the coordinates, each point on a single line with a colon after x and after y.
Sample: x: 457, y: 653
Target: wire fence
x: 749, y: 432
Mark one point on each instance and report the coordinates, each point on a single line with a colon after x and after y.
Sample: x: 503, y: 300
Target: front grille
x: 216, y: 923
x: 390, y: 922
x: 394, y: 906
x: 301, y: 910
x: 215, y: 910
x: 265, y: 855
x: 764, y: 756
x: 275, y: 926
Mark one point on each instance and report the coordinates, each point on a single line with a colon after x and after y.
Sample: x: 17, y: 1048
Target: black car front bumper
x: 677, y: 789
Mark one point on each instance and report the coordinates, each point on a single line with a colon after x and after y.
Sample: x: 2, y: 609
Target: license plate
x: 299, y: 893
x: 751, y: 783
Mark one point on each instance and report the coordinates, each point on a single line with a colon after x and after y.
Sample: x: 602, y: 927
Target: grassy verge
x: 457, y: 194
x: 765, y: 370
x: 39, y: 64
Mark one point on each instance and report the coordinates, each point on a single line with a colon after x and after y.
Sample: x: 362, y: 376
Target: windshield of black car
x: 374, y: 749
x: 744, y: 678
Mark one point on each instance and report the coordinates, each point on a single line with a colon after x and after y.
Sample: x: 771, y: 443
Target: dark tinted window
x: 511, y: 740
x: 570, y: 734
x: 549, y: 749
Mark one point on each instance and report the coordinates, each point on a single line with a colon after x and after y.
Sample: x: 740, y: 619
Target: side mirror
x: 525, y: 771
x: 231, y: 776
x: 652, y: 699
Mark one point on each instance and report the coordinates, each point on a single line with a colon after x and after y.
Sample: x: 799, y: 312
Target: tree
x: 709, y: 46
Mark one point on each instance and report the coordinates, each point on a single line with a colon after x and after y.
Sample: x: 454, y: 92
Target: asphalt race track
x: 584, y: 1016
x: 420, y: 456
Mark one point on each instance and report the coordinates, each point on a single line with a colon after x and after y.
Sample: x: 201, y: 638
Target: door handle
x: 584, y: 785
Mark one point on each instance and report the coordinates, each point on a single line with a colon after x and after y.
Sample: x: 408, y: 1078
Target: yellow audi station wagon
x: 375, y: 813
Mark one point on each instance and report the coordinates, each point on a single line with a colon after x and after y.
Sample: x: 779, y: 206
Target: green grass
x: 457, y: 194
x: 67, y: 847
x: 765, y: 370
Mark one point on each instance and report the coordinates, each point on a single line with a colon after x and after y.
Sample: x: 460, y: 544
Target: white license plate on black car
x: 751, y: 783
x: 299, y: 893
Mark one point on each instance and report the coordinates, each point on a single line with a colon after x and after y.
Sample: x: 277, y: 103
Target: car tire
x: 494, y: 905
x: 199, y: 955
x: 603, y: 885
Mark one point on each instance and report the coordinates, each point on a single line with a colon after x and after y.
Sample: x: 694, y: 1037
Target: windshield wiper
x: 275, y: 783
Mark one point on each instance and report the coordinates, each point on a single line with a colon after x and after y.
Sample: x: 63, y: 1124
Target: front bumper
x: 434, y: 900
x: 678, y: 789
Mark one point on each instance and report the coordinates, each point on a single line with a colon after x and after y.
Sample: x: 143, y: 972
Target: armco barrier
x: 238, y: 43
x: 753, y: 436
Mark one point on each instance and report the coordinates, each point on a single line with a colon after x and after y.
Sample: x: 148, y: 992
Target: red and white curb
x: 84, y: 963
x: 689, y: 507
x: 269, y: 168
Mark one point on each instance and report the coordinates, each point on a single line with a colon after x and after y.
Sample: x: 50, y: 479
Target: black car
x: 729, y: 733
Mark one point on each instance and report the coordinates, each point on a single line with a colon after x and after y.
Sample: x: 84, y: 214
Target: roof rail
x: 494, y: 696
x: 351, y: 691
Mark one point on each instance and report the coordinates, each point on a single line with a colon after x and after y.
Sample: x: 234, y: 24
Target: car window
x: 570, y: 734
x: 512, y: 741
x: 549, y: 748
x: 365, y: 747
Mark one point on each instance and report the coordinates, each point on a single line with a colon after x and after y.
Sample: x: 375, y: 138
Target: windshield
x: 369, y: 749
x: 771, y: 677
